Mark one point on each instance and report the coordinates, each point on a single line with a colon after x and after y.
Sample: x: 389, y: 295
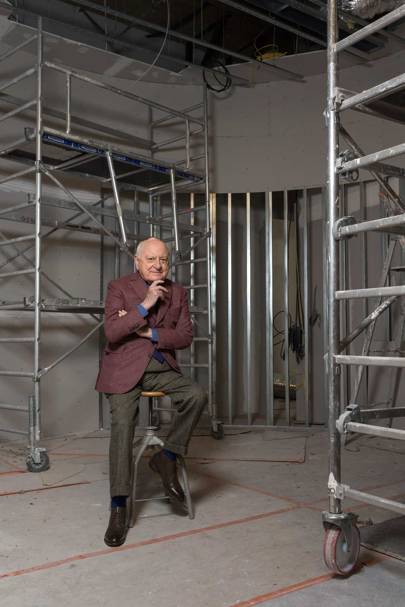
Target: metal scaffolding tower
x: 342, y: 538
x: 166, y: 187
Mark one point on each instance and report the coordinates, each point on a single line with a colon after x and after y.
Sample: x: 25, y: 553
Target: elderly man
x: 146, y: 320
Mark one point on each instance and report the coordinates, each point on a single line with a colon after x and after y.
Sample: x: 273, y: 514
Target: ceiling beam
x: 90, y: 5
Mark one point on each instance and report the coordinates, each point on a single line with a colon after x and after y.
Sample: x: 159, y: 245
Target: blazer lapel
x: 165, y: 303
x: 139, y: 285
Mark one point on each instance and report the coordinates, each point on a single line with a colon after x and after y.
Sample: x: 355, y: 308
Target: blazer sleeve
x: 180, y: 337
x: 117, y: 328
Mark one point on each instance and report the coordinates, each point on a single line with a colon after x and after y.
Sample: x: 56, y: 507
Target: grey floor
x: 256, y: 539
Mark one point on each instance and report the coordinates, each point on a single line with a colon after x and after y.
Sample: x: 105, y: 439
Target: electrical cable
x: 162, y: 46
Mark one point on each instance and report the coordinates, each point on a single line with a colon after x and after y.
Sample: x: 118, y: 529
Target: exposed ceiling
x: 208, y: 34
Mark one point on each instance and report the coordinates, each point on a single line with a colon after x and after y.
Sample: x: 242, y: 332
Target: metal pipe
x: 371, y: 292
x: 366, y: 322
x: 373, y: 93
x: 17, y: 48
x: 68, y: 102
x: 174, y: 210
x: 333, y: 386
x: 188, y: 134
x: 11, y: 431
x: 307, y: 361
x: 4, y: 243
x: 18, y: 78
x: 85, y: 210
x: 186, y: 110
x: 286, y: 307
x: 13, y: 145
x: 13, y: 408
x: 248, y: 307
x: 376, y: 26
x: 269, y: 309
x: 16, y: 373
x: 37, y: 259
x: 375, y: 431
x: 161, y: 144
x: 15, y: 208
x: 16, y: 340
x: 18, y: 110
x: 230, y: 312
x: 121, y: 92
x: 116, y: 199
x: 371, y: 361
x: 364, y: 161
x: 46, y: 370
x: 374, y: 224
x: 393, y: 196
x: 192, y: 282
x: 18, y: 174
x: 17, y: 273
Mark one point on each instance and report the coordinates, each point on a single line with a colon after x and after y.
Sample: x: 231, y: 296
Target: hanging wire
x: 162, y: 46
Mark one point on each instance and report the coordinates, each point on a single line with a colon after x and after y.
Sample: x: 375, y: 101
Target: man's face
x: 153, y: 261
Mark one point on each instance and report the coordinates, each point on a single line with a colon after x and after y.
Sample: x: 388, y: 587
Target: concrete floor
x: 256, y: 539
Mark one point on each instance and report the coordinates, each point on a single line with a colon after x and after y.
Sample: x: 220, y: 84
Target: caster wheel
x: 38, y: 467
x: 338, y: 556
x: 218, y: 434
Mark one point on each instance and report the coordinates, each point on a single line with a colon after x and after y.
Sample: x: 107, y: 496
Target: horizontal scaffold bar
x: 364, y: 161
x: 17, y: 273
x: 12, y: 431
x: 375, y: 430
x: 370, y: 361
x: 366, y: 31
x: 6, y: 373
x: 372, y: 292
x: 375, y: 500
x: 16, y: 340
x: 373, y: 93
x: 13, y: 407
x: 383, y: 224
x: 4, y: 243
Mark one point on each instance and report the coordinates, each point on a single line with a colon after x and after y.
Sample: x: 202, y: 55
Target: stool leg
x: 134, y: 477
x: 186, y: 486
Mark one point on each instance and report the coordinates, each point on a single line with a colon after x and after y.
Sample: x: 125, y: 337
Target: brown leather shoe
x: 117, y: 527
x: 167, y: 469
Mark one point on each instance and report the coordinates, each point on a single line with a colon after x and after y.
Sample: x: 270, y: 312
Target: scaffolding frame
x: 342, y: 539
x: 170, y: 179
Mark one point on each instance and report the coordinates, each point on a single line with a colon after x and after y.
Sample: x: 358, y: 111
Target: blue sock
x: 170, y: 455
x: 119, y: 501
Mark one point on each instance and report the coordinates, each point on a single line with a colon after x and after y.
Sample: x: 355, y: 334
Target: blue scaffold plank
x: 133, y: 161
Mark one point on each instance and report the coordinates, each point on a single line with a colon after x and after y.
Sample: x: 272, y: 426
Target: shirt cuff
x: 155, y: 337
x: 142, y: 311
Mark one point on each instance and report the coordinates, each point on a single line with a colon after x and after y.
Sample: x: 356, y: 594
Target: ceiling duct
x: 369, y: 8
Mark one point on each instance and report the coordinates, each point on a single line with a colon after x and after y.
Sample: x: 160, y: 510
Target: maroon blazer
x: 127, y: 355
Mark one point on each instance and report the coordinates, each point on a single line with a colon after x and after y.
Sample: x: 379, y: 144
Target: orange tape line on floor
x: 275, y: 594
x: 157, y: 540
x: 13, y: 472
x: 22, y: 491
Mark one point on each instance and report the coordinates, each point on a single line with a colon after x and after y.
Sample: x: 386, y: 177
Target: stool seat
x: 152, y: 394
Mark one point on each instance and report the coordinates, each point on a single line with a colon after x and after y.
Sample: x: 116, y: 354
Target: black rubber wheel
x: 41, y: 466
x: 336, y: 553
x: 218, y: 434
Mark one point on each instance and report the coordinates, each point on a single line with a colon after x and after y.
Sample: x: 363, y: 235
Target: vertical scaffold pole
x: 210, y: 217
x: 333, y: 384
x: 35, y: 435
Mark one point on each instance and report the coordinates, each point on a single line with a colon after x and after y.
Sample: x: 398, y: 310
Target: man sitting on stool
x: 146, y: 319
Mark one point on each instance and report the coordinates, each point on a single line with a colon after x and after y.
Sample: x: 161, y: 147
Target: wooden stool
x: 151, y: 439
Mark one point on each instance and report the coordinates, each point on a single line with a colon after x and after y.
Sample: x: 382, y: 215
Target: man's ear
x: 136, y: 263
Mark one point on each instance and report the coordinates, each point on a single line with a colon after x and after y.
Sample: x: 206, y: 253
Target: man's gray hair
x: 141, y: 244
